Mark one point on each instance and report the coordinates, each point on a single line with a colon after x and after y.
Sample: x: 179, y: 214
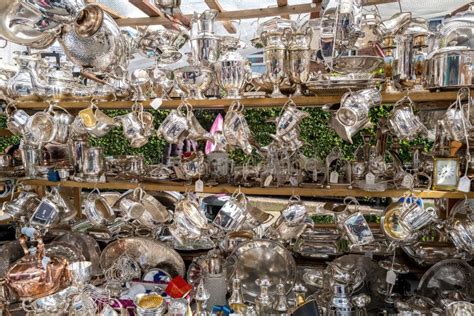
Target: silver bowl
x: 193, y: 80
x: 357, y: 64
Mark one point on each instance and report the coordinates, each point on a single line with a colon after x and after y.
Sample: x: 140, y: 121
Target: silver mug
x: 93, y: 164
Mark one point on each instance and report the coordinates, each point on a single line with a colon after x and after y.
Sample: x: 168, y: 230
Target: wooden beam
x: 215, y: 5
x: 146, y: 7
x: 316, y: 14
x: 283, y: 3
x: 444, y: 98
x: 149, y: 9
x: 461, y: 9
x: 313, y: 191
x: 231, y: 15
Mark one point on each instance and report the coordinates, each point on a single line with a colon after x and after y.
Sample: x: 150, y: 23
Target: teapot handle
x: 23, y: 244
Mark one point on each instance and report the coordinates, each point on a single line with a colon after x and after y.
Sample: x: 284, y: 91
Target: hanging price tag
x: 407, y: 181
x: 464, y: 184
x: 370, y: 178
x: 334, y: 177
x: 268, y: 181
x: 156, y: 103
x: 294, y: 181
x: 199, y: 186
x: 391, y: 277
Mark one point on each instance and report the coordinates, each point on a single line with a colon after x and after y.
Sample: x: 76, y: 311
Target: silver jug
x: 203, y: 23
x: 354, y: 112
x: 21, y: 84
x: 31, y: 156
x: 403, y: 122
x: 16, y: 119
x: 93, y: 163
x: 415, y: 216
x: 175, y: 126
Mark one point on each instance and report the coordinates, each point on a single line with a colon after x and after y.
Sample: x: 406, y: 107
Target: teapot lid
x: 458, y: 30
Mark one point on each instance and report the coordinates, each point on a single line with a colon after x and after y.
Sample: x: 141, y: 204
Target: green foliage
x: 320, y: 139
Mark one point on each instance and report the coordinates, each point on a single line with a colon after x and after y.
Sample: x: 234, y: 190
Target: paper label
x: 156, y: 103
x: 294, y: 181
x: 369, y: 254
x: 334, y: 177
x: 391, y: 277
x: 407, y: 181
x: 464, y: 184
x: 268, y: 181
x: 199, y: 186
x: 370, y: 178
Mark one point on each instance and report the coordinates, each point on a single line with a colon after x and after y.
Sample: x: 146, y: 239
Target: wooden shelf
x: 267, y: 191
x: 426, y: 100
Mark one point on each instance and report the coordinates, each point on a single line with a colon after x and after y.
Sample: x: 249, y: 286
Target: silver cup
x: 80, y: 273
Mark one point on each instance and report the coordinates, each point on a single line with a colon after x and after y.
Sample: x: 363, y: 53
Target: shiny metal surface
x: 19, y: 25
x: 164, y: 45
x: 391, y: 226
x: 205, y: 49
x: 193, y: 80
x: 148, y: 253
x: 357, y: 64
x: 97, y: 210
x: 93, y: 162
x: 102, y: 51
x: 458, y: 30
x: 403, y: 122
x: 162, y: 81
x: 233, y: 73
x: 275, y: 56
x: 450, y: 67
x: 260, y: 259
x: 63, y: 11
